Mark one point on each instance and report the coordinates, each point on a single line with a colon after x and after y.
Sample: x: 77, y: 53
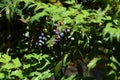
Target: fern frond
x: 114, y: 32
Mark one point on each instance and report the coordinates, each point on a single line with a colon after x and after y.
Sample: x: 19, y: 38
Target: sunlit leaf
x: 46, y: 74
x: 79, y: 19
x: 26, y: 66
x: 72, y: 77
x: 19, y: 12
x: 113, y: 31
x: 85, y: 12
x: 70, y: 2
x: 16, y: 62
x: 67, y: 20
x: 65, y: 62
x: 108, y: 17
x: 117, y: 33
x: 56, y: 17
x: 113, y: 74
x: 58, y: 67
x: 27, y: 2
x: 35, y: 73
x: 107, y: 29
x: 5, y: 58
x: 2, y: 75
x: 40, y: 6
x: 113, y: 66
x: 37, y: 16
x: 17, y: 73
x: 113, y: 59
x: 8, y: 66
x: 93, y: 63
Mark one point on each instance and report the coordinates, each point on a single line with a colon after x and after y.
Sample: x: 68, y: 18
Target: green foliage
x: 72, y: 77
x: 93, y: 63
x: 13, y: 68
x: 31, y: 50
x: 113, y: 31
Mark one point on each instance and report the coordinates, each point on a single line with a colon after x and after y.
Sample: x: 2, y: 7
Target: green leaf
x: 113, y: 74
x: 2, y: 76
x: 113, y: 31
x: 37, y: 16
x: 113, y: 59
x: 28, y: 56
x: 65, y: 63
x: 58, y: 10
x: 117, y: 33
x: 93, y: 63
x: 72, y: 77
x: 50, y: 42
x: 85, y: 13
x: 2, y: 5
x: 68, y: 20
x: 65, y: 13
x: 107, y: 29
x: 17, y: 73
x: 109, y: 24
x: 40, y: 5
x: 79, y: 19
x: 8, y: 66
x: 46, y: 74
x: 19, y: 12
x: 25, y: 66
x: 56, y: 17
x: 27, y: 2
x: 41, y: 75
x: 70, y: 2
x: 113, y: 66
x: 99, y: 19
x: 58, y: 68
x: 36, y: 56
x: 16, y: 63
x: 5, y: 58
x: 35, y: 73
x: 108, y: 18
x: 112, y: 34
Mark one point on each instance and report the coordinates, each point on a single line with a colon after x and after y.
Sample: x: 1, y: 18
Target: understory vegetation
x: 59, y: 40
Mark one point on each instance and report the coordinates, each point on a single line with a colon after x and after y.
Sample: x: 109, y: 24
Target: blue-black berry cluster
x: 85, y: 1
x: 42, y: 39
x: 60, y: 34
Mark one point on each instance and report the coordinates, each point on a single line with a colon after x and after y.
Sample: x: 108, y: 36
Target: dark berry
x: 42, y: 42
x: 61, y: 34
x: 56, y: 31
x: 40, y: 37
